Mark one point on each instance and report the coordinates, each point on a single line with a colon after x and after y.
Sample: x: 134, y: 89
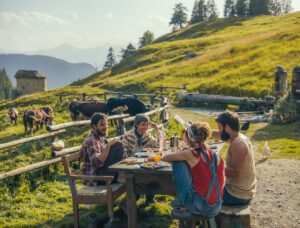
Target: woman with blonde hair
x: 198, y: 172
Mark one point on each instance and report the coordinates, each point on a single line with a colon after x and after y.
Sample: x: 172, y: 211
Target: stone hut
x: 30, y: 81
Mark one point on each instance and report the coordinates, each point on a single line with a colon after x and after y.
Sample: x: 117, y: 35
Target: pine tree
x: 241, y: 8
x: 199, y: 12
x: 194, y: 12
x: 179, y: 17
x: 279, y: 7
x: 147, y: 38
x: 111, y: 59
x: 212, y: 13
x: 6, y: 86
x: 128, y: 52
x: 259, y: 7
x: 229, y: 9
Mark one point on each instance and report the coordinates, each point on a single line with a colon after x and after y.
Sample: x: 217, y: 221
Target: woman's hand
x: 153, y: 125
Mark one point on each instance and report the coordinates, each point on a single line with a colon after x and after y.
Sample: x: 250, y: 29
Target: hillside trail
x: 277, y: 200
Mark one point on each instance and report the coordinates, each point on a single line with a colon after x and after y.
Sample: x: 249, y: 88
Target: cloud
x: 32, y: 18
x: 75, y: 16
x: 109, y: 16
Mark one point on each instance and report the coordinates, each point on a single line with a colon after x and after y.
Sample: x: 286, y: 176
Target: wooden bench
x: 101, y: 194
x: 189, y: 220
x: 234, y: 216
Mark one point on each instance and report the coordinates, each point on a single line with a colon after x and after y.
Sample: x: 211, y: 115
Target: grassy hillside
x: 236, y: 56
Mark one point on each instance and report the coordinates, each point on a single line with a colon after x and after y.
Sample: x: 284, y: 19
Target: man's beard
x: 101, y: 133
x: 224, y: 135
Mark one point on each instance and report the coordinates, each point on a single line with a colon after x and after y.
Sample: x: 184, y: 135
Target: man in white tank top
x: 240, y: 184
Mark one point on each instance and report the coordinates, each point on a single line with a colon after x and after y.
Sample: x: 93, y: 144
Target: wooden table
x: 146, y: 181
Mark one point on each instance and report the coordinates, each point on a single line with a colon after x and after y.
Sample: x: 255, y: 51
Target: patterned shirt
x: 92, y: 146
x: 131, y: 145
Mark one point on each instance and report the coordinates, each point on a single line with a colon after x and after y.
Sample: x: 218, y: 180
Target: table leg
x: 131, y: 201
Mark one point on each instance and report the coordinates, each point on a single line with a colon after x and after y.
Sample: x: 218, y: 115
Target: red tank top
x: 202, y: 176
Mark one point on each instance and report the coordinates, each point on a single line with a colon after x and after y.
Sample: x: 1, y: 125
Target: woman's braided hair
x: 201, y: 131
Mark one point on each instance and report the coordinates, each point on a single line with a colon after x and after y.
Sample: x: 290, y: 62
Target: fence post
x: 122, y: 128
x: 84, y: 96
x: 105, y: 96
x: 152, y: 100
x: 60, y: 99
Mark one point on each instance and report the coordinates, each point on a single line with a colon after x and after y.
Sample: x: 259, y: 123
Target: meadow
x: 236, y: 56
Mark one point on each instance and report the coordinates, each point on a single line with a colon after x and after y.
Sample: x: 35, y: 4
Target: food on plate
x: 133, y: 161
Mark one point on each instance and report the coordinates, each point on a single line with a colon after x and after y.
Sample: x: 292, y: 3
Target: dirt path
x: 277, y: 201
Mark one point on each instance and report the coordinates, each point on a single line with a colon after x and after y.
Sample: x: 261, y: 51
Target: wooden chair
x: 101, y: 194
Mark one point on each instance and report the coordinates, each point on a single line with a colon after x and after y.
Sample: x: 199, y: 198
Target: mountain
x: 95, y: 56
x: 59, y: 72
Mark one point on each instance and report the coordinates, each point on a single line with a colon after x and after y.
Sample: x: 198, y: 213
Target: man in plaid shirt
x: 98, y: 154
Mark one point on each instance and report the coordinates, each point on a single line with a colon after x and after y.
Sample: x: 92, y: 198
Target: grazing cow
x: 50, y: 112
x: 13, y: 114
x: 134, y: 105
x: 35, y: 116
x: 83, y: 110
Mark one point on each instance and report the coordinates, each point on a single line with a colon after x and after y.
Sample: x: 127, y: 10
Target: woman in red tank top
x: 198, y: 172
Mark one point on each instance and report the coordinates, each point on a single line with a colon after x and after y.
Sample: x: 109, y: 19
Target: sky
x: 27, y: 25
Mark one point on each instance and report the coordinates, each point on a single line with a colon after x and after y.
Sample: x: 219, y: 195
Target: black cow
x: 81, y: 110
x: 135, y: 106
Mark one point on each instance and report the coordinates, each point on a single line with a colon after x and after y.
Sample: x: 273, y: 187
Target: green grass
x: 236, y: 57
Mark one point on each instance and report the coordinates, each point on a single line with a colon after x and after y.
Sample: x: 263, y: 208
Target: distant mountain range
x: 59, y: 72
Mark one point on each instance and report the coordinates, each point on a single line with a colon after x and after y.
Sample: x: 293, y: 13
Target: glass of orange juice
x: 157, y: 158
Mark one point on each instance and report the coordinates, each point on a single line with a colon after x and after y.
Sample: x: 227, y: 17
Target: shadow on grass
x: 276, y: 131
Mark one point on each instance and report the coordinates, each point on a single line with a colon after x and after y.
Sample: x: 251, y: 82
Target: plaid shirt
x: 92, y: 146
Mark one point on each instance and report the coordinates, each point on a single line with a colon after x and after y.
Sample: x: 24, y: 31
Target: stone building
x: 30, y: 81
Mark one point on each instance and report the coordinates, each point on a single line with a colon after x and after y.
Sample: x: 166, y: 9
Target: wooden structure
x: 188, y: 220
x: 234, y: 216
x: 161, y: 88
x: 280, y: 82
x: 147, y: 181
x: 30, y: 81
x: 29, y: 139
x: 296, y: 84
x: 101, y: 194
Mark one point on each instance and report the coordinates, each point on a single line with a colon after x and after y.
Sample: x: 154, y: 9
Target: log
x: 28, y: 168
x: 80, y: 123
x: 34, y: 138
x: 205, y: 98
x: 66, y: 151
x: 130, y: 119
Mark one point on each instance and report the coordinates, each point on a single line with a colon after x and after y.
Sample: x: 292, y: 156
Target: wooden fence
x: 122, y: 118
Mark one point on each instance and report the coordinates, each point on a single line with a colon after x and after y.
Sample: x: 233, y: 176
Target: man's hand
x: 153, y: 125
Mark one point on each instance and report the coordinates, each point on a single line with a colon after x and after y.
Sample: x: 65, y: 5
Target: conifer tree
x: 179, y: 17
x: 6, y: 86
x: 111, y: 59
x: 147, y: 38
x: 229, y: 9
x: 125, y: 53
x: 241, y: 8
x: 212, y: 13
x: 199, y: 12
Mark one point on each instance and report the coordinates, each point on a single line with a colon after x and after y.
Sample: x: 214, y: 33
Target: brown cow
x: 13, y: 114
x: 50, y: 112
x: 35, y: 116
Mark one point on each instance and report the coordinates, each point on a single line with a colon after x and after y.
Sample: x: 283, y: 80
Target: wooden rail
x: 80, y: 123
x: 130, y: 119
x: 34, y: 138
